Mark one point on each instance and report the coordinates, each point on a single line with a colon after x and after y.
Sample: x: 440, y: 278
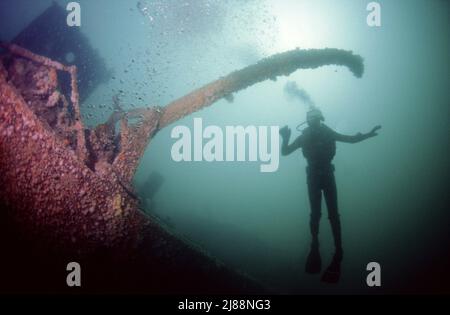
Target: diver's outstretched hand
x: 285, y: 132
x: 374, y: 132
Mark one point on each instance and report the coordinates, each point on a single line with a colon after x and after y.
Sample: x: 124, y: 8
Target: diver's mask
x: 312, y: 114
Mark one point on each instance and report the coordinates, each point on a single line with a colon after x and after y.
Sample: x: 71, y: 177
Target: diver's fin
x: 313, y: 262
x: 333, y: 273
x: 330, y: 276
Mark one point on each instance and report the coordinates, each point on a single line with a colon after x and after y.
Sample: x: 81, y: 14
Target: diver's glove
x: 285, y: 133
x: 373, y: 132
x: 368, y: 135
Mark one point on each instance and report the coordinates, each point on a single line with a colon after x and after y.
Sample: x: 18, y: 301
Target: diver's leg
x: 330, y: 194
x: 313, y: 262
x: 332, y: 273
x: 315, y: 196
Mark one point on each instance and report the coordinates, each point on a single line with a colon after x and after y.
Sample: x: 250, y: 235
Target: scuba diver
x: 318, y: 143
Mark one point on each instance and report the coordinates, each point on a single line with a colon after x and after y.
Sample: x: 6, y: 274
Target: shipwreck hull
x: 55, y: 209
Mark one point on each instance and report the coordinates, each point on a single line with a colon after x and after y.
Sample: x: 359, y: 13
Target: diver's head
x: 314, y: 117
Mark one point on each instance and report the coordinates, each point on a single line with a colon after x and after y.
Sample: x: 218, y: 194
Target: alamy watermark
x: 73, y: 278
x: 74, y: 16
x: 232, y: 143
x: 373, y: 279
x: 374, y: 17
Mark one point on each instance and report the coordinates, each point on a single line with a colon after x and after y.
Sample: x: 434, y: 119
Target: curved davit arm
x: 282, y: 64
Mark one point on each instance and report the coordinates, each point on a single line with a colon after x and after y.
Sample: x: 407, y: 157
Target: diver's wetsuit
x: 318, y: 144
x: 319, y: 148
